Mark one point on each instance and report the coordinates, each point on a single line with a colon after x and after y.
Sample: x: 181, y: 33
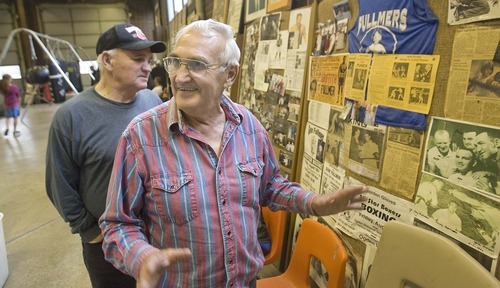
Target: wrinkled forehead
x: 203, y: 40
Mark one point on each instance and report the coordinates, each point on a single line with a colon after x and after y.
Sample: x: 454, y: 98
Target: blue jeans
x: 102, y: 273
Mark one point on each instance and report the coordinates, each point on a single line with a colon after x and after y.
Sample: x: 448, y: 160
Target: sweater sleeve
x: 62, y: 177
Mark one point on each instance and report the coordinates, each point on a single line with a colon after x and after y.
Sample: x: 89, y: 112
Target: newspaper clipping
x: 490, y: 263
x: 409, y: 85
x: 461, y: 213
x: 358, y: 69
x: 312, y: 166
x: 459, y: 192
x: 327, y: 79
x: 380, y: 208
x: 474, y: 82
x: 466, y: 154
x: 365, y: 149
x: 402, y: 161
x: 466, y: 11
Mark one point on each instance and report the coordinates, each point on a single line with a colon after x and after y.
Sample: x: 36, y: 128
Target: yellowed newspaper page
x: 474, y: 82
x: 358, y: 69
x: 407, y: 85
x: 327, y: 79
x: 401, y: 161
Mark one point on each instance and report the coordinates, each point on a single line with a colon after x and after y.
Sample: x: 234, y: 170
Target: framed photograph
x: 278, y: 5
x: 220, y: 10
x: 341, y: 10
x: 255, y: 9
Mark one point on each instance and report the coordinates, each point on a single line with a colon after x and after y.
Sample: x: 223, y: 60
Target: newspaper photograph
x: 408, y: 85
x: 314, y: 143
x: 334, y: 149
x: 467, y: 11
x: 380, y: 208
x: 365, y: 149
x: 488, y: 262
x: 402, y: 161
x: 298, y: 28
x: 358, y: 69
x: 262, y: 66
x: 466, y: 154
x: 341, y: 10
x: 318, y: 275
x: 362, y: 111
x: 346, y: 144
x: 327, y: 79
x: 325, y: 38
x: 335, y: 141
x: 474, y: 78
x: 326, y: 117
x: 465, y: 215
x: 278, y: 51
x: 341, y: 34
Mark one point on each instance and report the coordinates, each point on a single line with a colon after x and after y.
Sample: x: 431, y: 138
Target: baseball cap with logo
x: 127, y: 37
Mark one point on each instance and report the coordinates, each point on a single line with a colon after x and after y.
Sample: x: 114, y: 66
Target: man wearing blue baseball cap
x: 83, y: 137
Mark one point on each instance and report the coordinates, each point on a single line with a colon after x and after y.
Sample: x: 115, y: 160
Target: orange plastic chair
x: 315, y: 239
x: 275, y: 223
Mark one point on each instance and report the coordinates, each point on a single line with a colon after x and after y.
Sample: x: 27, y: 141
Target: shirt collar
x: 232, y: 111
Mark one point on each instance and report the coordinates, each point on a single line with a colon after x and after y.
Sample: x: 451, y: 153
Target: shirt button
x: 229, y: 233
x: 223, y: 202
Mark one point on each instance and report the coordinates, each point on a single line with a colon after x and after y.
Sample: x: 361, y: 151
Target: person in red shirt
x: 11, y: 95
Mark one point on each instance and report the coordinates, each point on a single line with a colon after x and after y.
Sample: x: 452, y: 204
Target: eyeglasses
x: 195, y: 68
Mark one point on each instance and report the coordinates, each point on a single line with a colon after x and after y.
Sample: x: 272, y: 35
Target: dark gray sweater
x: 81, y: 147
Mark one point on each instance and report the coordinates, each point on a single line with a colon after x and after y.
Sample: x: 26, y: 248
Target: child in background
x: 11, y: 102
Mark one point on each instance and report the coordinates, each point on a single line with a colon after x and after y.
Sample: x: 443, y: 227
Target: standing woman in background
x: 11, y: 102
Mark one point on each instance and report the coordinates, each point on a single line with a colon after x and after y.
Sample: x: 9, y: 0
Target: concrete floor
x: 41, y: 250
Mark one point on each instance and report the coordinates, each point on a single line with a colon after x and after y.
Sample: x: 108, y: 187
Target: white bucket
x: 4, y: 266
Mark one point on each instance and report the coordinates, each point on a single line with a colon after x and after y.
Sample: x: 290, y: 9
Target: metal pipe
x: 37, y: 36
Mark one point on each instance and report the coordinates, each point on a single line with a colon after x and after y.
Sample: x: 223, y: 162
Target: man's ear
x: 106, y: 60
x: 497, y: 142
x: 232, y: 72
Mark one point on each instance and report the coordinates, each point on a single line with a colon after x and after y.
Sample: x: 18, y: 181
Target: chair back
x: 410, y: 256
x: 318, y: 240
x: 275, y: 223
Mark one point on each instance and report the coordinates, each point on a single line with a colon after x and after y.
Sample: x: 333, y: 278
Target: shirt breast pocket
x: 251, y: 176
x: 175, y: 197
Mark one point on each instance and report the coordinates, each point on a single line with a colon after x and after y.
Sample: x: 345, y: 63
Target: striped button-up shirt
x: 169, y: 189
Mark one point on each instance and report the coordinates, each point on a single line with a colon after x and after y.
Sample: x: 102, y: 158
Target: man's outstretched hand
x: 156, y: 262
x: 345, y: 199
